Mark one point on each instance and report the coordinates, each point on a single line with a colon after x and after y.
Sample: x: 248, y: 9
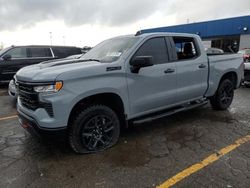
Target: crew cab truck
x: 134, y: 78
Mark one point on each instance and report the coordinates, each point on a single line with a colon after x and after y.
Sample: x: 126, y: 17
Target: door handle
x: 169, y: 71
x: 202, y: 66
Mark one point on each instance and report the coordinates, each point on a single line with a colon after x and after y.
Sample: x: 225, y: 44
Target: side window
x: 40, y: 52
x: 155, y: 47
x: 61, y: 52
x: 18, y: 53
x: 185, y: 47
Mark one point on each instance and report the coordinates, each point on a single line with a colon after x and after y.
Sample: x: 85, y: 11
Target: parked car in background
x: 16, y: 57
x: 247, y: 74
x: 246, y: 54
x: 214, y: 51
x: 12, y: 87
x: 246, y: 58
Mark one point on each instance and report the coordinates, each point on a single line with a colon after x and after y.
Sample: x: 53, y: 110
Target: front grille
x: 28, y: 97
x: 25, y: 88
x: 30, y: 100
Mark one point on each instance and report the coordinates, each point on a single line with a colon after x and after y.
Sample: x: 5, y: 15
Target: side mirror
x: 6, y: 57
x: 139, y: 62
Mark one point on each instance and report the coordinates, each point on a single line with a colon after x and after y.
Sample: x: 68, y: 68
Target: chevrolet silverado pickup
x: 127, y: 79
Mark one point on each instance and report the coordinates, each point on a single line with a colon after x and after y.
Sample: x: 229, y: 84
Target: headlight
x: 57, y: 86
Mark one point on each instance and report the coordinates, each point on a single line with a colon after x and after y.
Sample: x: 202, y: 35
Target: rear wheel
x: 94, y: 129
x: 223, y: 96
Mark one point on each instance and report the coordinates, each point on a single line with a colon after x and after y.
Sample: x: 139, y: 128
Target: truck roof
x: 166, y: 34
x: 48, y: 46
x: 158, y: 34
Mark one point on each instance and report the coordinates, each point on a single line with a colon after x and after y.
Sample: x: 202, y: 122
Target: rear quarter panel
x: 219, y: 66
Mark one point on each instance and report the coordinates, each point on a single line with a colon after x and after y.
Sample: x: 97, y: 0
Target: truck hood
x: 50, y: 70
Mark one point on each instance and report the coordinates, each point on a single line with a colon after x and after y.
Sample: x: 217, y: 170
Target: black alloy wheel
x: 97, y: 132
x: 223, y: 96
x: 94, y: 129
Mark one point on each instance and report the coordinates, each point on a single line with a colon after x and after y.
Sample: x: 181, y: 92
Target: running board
x: 170, y: 112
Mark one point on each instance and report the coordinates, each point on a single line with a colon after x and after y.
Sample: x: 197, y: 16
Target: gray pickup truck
x: 135, y: 78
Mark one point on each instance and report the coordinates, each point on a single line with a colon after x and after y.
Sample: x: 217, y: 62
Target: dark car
x: 16, y: 57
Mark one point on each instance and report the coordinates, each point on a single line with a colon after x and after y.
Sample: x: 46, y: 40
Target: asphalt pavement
x: 146, y: 155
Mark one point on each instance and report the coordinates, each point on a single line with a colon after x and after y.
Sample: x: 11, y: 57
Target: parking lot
x: 197, y: 148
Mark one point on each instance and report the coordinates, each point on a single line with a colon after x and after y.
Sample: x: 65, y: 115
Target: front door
x: 8, y: 67
x: 154, y: 87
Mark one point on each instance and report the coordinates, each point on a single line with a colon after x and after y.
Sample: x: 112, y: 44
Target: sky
x: 88, y: 22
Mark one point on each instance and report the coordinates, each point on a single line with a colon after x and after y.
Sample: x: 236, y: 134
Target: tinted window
x: 40, y: 52
x: 185, y: 47
x: 156, y: 48
x: 62, y: 52
x: 18, y: 53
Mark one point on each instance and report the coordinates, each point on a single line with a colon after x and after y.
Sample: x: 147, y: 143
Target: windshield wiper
x: 89, y: 60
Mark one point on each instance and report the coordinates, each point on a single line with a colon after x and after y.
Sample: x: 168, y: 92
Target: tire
x: 223, y: 96
x: 95, y: 128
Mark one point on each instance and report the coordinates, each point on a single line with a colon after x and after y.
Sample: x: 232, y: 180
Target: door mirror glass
x: 140, y: 61
x: 7, y: 57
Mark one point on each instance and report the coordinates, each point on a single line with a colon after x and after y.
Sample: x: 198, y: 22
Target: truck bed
x: 219, y: 64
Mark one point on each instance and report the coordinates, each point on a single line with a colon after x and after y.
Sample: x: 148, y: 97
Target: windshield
x: 4, y: 50
x: 110, y: 50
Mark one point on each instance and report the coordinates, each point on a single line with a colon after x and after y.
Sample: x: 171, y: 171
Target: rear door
x: 192, y: 69
x: 38, y: 55
x: 62, y: 52
x: 154, y: 87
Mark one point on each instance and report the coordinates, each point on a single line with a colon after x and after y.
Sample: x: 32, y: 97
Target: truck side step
x: 171, y: 111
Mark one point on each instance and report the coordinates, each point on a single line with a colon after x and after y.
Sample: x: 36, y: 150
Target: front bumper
x: 30, y: 125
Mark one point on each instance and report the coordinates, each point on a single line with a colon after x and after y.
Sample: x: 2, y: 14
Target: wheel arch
x: 232, y: 76
x: 110, y: 99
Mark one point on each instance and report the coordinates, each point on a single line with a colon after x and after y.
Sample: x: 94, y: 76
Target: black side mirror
x: 140, y: 61
x: 6, y: 57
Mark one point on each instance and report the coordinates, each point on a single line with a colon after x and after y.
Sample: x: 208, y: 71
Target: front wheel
x: 223, y: 96
x: 94, y: 129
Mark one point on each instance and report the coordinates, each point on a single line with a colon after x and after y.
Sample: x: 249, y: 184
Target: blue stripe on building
x: 209, y: 29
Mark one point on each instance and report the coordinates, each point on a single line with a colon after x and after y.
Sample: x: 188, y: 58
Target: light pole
x: 64, y: 40
x: 50, y: 36
x: 1, y: 46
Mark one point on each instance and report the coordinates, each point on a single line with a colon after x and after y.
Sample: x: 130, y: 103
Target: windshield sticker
x: 114, y: 54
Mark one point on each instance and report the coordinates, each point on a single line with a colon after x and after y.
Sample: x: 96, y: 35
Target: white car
x: 12, y: 89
